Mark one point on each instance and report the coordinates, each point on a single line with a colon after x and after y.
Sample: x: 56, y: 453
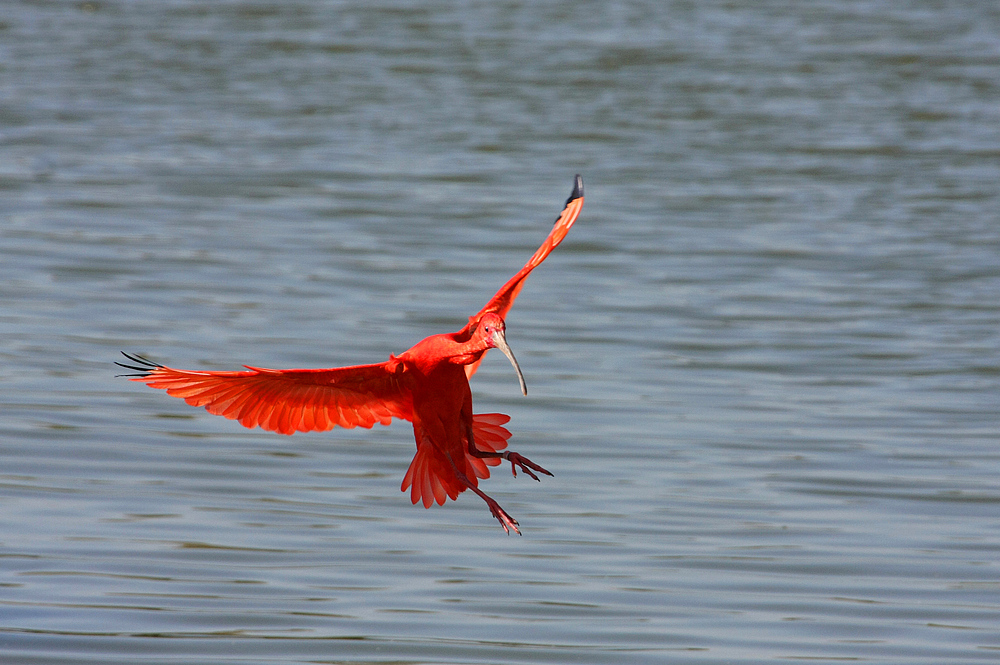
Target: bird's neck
x: 445, y: 348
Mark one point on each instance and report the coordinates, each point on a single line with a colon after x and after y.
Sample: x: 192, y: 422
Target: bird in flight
x: 428, y: 385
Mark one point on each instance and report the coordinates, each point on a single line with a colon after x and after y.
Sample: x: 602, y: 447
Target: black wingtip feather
x: 577, y: 192
x: 145, y: 366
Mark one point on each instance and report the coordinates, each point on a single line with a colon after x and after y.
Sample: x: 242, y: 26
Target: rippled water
x: 764, y: 366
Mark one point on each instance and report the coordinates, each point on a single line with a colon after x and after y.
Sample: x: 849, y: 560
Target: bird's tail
x: 431, y: 478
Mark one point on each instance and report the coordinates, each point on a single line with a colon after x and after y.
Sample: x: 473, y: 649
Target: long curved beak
x: 501, y: 343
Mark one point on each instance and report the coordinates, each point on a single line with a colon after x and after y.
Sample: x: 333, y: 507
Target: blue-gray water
x: 764, y: 366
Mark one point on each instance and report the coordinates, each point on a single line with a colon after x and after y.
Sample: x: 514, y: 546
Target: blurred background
x: 764, y: 366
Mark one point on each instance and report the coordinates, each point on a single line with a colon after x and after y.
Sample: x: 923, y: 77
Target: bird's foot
x: 519, y: 460
x: 506, y: 521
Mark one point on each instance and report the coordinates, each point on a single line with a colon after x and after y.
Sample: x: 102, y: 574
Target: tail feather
x: 430, y: 477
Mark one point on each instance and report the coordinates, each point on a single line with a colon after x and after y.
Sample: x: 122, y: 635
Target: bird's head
x: 493, y: 332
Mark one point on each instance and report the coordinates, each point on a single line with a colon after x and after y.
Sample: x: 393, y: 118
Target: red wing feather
x: 504, y: 298
x: 291, y: 400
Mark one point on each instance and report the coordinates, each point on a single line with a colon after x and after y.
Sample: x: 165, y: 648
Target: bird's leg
x: 506, y: 521
x: 515, y: 459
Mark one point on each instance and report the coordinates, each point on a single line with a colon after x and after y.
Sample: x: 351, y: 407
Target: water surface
x: 764, y: 366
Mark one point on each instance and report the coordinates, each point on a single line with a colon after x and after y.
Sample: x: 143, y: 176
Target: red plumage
x: 428, y: 385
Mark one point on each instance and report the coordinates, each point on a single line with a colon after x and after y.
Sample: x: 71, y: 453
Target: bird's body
x: 428, y: 385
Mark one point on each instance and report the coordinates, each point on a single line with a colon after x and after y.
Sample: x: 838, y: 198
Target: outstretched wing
x: 504, y: 298
x: 287, y: 400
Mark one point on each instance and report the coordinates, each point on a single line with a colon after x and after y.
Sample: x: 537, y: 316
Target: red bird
x: 427, y: 384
